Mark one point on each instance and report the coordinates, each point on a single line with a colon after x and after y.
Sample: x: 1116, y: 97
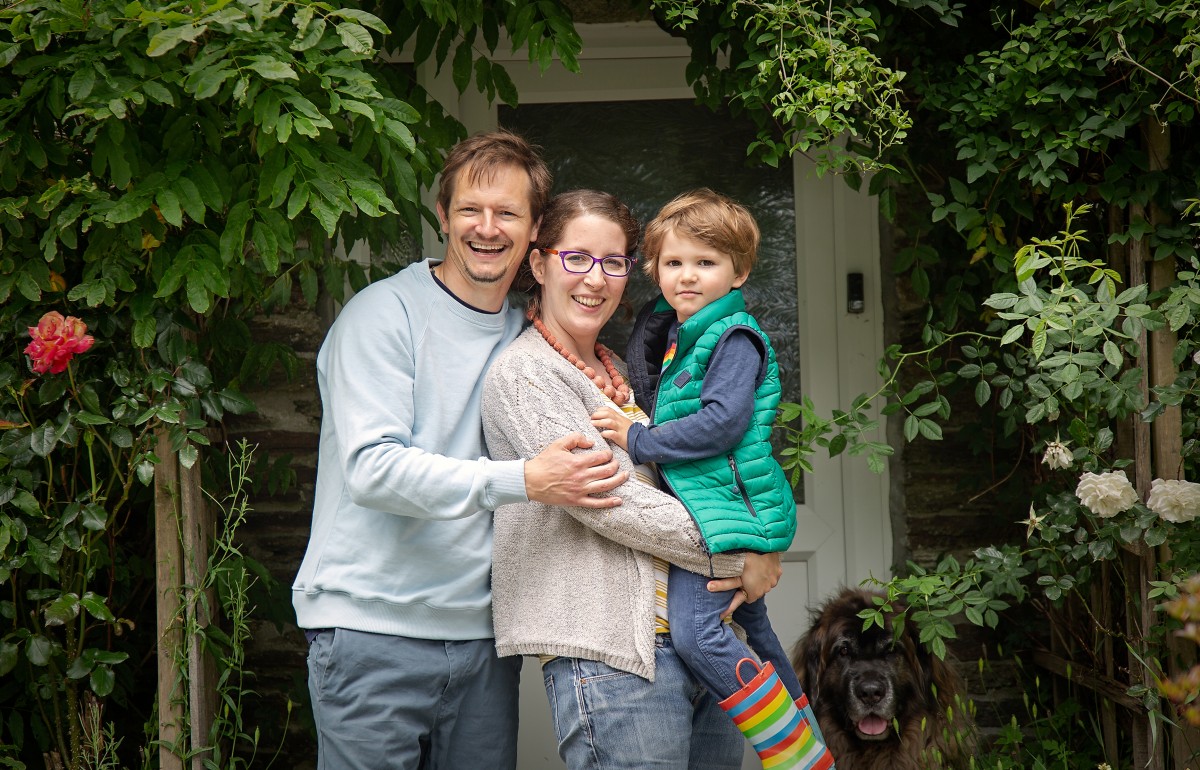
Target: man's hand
x: 760, y: 574
x: 613, y: 425
x: 559, y: 476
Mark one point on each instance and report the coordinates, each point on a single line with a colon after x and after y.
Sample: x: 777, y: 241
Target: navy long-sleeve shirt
x: 726, y: 407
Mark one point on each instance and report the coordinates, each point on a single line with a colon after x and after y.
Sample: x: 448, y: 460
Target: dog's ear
x: 940, y: 682
x: 808, y: 653
x: 944, y: 682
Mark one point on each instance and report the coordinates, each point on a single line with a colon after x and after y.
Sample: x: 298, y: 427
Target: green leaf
x: 505, y: 88
x: 144, y: 330
x: 931, y: 430
x: 297, y: 200
x: 95, y: 518
x: 81, y: 83
x: 42, y: 440
x: 401, y: 134
x: 168, y: 206
x: 38, y: 650
x: 983, y: 392
x: 8, y: 657
x: 1039, y: 341
x: 103, y: 680
x: 158, y: 92
x: 461, y: 67
x: 363, y: 18
x: 62, y: 610
x: 1112, y: 353
x: 91, y: 418
x: 353, y: 105
x: 233, y: 237
x: 273, y: 69
x: 8, y: 52
x: 167, y: 39
x: 1012, y: 335
x: 355, y: 38
x: 96, y: 607
x: 912, y: 426
x: 128, y: 208
x: 208, y: 81
x: 79, y: 668
x: 188, y: 455
x: 189, y: 199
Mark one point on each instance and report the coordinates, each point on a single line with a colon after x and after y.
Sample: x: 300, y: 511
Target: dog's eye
x: 842, y: 650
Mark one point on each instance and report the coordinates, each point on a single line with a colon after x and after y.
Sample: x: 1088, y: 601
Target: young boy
x: 703, y: 369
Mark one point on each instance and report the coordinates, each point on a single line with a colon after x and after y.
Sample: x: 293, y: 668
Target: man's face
x: 488, y: 228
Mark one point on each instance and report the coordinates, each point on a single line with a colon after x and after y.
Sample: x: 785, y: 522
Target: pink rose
x: 56, y: 340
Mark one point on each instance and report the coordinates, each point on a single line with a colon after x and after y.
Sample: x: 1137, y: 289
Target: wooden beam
x: 202, y: 670
x: 168, y: 559
x: 1092, y: 680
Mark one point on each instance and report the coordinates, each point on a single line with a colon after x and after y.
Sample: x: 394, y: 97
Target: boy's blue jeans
x: 708, y: 646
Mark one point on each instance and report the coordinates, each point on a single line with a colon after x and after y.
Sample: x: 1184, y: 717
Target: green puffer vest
x: 741, y: 500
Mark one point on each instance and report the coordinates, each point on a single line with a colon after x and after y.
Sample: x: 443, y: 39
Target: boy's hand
x: 613, y: 425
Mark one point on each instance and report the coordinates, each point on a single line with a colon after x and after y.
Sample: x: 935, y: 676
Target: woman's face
x: 575, y: 306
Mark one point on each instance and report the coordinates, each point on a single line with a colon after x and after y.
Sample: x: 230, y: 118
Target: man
x: 394, y: 588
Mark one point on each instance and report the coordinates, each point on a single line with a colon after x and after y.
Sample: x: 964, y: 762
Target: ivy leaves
x: 805, y: 73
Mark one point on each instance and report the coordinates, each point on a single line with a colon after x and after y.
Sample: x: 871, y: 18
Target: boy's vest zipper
x: 741, y: 487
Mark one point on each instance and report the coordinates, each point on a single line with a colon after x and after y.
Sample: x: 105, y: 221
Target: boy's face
x: 692, y: 274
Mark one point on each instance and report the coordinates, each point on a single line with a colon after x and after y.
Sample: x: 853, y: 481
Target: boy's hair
x: 709, y: 217
x: 483, y: 154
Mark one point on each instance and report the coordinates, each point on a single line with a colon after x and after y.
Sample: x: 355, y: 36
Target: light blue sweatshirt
x: 401, y: 539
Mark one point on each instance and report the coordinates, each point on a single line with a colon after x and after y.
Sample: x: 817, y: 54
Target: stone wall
x: 276, y: 533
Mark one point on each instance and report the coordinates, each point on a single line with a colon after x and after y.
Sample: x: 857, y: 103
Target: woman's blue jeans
x: 606, y: 719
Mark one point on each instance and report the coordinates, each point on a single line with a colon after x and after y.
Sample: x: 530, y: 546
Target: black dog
x: 883, y: 703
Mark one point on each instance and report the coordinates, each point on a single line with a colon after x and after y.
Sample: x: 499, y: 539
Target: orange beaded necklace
x: 618, y: 390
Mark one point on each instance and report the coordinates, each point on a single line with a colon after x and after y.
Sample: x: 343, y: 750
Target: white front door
x: 626, y: 124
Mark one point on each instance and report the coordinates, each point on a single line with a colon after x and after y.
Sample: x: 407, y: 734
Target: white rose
x: 1057, y: 456
x: 1106, y: 494
x: 1174, y: 500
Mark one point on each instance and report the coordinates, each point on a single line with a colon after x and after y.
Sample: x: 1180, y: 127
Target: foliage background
x: 169, y: 171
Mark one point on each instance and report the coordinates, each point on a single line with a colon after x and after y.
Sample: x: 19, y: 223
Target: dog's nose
x: 870, y: 690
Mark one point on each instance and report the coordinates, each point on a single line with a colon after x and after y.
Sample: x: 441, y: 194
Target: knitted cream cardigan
x: 573, y: 581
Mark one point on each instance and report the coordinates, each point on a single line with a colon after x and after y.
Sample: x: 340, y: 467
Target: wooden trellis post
x: 1157, y: 453
x: 182, y: 532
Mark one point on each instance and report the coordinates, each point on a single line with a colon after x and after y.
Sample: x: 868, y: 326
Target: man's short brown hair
x: 710, y: 218
x: 482, y: 154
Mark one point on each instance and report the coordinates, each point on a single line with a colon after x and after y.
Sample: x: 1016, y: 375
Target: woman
x: 585, y: 589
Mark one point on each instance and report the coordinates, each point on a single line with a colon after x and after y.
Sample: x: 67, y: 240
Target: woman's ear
x: 537, y: 265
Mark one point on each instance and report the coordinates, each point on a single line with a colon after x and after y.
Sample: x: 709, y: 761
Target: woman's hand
x: 760, y: 574
x: 613, y: 425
